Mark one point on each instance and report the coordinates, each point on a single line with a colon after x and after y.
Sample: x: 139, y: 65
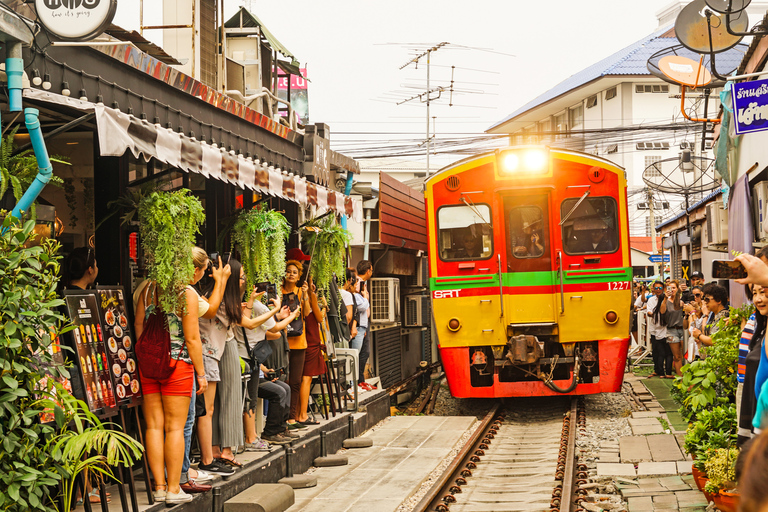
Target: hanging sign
x: 750, y: 106
x: 76, y: 20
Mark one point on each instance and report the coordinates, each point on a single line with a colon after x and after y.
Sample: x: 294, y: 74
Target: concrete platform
x: 406, y: 449
x: 261, y: 498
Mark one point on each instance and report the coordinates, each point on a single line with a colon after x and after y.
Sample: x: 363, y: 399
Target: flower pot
x: 727, y: 501
x: 710, y: 497
x: 700, y: 478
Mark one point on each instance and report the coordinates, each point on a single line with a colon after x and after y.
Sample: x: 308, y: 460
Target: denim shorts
x: 674, y: 334
x: 211, y: 369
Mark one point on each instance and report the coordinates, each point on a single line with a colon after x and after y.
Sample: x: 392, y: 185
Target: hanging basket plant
x: 169, y: 222
x: 260, y: 235
x: 325, y: 241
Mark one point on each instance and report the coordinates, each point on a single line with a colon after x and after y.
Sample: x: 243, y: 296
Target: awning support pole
x: 44, y: 167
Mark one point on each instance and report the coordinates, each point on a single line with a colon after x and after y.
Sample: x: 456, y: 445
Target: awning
x: 119, y: 132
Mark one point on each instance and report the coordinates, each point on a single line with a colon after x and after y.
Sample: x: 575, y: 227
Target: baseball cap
x: 296, y: 254
x: 697, y: 274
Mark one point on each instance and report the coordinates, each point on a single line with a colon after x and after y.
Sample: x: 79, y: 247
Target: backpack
x: 153, y: 348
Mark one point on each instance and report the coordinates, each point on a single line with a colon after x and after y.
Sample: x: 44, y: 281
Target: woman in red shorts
x: 166, y: 402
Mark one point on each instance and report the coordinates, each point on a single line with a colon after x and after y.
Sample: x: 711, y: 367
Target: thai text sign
x: 750, y: 106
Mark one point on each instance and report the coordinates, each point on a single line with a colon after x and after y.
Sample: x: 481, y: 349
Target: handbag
x: 259, y: 352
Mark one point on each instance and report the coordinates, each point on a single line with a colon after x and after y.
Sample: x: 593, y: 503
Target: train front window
x: 465, y: 232
x: 527, y: 232
x: 592, y: 228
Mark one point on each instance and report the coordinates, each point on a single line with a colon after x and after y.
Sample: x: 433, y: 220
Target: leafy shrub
x: 260, y: 235
x: 169, y: 222
x: 714, y: 428
x: 325, y: 240
x: 720, y: 467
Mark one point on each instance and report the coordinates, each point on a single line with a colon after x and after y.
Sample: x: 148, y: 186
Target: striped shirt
x: 746, y: 338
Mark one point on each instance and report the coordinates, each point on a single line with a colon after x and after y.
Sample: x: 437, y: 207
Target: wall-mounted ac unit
x: 717, y: 224
x: 417, y: 311
x: 385, y: 300
x: 760, y: 199
x: 422, y: 271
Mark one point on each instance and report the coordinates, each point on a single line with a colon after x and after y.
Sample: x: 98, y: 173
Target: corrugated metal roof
x: 631, y: 60
x: 703, y: 201
x: 249, y: 20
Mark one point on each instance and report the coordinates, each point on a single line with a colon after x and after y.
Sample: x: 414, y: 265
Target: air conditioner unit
x: 385, y: 300
x: 717, y: 224
x: 760, y: 199
x: 417, y: 312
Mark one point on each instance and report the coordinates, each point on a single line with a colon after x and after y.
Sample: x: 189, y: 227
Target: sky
x: 505, y: 53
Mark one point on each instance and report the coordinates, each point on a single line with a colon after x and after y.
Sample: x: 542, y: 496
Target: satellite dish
x: 727, y: 62
x: 695, y: 175
x: 703, y: 30
x: 685, y: 71
x: 722, y: 5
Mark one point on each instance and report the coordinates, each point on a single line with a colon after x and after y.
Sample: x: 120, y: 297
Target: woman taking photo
x: 675, y: 313
x: 166, y: 402
x: 296, y: 297
x: 655, y: 308
x: 314, y: 358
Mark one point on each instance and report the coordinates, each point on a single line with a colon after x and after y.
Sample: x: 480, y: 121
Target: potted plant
x: 325, y: 241
x: 720, y: 465
x: 168, y: 223
x: 713, y: 428
x: 260, y: 235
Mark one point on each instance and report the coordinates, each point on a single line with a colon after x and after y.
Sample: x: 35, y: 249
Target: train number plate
x: 445, y: 294
x: 619, y: 285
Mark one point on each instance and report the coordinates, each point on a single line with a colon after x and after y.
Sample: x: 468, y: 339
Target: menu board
x: 119, y: 339
x: 90, y: 351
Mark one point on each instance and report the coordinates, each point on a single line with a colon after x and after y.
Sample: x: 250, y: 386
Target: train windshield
x: 592, y: 227
x: 465, y: 232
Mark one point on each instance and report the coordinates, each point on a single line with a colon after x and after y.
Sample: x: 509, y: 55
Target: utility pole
x: 653, y: 232
x: 427, y: 94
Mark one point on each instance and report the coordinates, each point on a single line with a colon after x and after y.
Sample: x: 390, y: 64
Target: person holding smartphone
x: 715, y: 299
x: 656, y: 309
x: 674, y: 318
x: 360, y: 341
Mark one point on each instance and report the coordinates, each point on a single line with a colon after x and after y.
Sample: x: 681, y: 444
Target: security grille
x: 387, y: 349
x: 208, y: 46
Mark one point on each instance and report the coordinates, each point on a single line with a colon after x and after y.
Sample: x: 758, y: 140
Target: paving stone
x: 656, y: 468
x: 645, y: 414
x: 684, y: 467
x: 642, y: 430
x: 644, y: 504
x: 608, y: 469
x: 644, y: 421
x: 664, y: 449
x: 691, y: 499
x: 665, y: 500
x: 634, y: 449
x: 612, y: 459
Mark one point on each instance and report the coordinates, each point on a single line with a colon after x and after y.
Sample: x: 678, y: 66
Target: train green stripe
x: 547, y: 278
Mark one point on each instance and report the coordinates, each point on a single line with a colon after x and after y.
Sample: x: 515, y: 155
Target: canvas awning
x: 119, y: 132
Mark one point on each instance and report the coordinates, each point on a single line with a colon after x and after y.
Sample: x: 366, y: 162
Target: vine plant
x: 325, y: 241
x: 260, y: 235
x: 168, y: 223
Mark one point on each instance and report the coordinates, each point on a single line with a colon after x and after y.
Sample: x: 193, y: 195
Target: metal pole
x: 323, y: 446
x: 653, y: 232
x: 429, y: 53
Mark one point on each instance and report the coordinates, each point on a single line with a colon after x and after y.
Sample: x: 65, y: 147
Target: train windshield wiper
x: 581, y: 200
x: 474, y: 209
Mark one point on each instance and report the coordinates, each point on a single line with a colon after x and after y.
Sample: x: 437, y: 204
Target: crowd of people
x: 225, y: 331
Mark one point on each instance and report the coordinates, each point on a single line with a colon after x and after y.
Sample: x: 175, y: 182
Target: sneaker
x: 159, y: 495
x: 288, y: 433
x: 215, y: 468
x: 203, y: 477
x: 172, y: 498
x: 277, y: 439
x: 295, y: 426
x: 258, y: 446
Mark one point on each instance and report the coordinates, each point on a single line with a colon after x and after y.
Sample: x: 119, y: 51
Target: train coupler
x: 524, y: 349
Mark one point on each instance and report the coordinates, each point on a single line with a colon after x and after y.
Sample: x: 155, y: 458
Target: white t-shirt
x: 256, y: 334
x: 658, y: 330
x: 346, y: 297
x: 362, y: 308
x: 639, y: 302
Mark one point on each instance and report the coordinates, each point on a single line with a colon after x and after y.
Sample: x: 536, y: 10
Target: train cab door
x: 529, y: 279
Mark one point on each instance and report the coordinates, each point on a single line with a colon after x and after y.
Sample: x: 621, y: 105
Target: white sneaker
x: 203, y: 477
x: 159, y: 495
x: 172, y: 498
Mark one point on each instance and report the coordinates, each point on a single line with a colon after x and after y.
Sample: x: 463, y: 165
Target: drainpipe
x: 347, y: 191
x: 44, y: 168
x: 14, y: 69
x: 367, y: 237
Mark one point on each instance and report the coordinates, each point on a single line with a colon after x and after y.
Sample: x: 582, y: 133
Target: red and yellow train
x: 530, y: 273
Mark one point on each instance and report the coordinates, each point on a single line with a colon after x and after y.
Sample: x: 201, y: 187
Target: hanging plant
x: 168, y: 223
x: 260, y: 235
x: 325, y: 241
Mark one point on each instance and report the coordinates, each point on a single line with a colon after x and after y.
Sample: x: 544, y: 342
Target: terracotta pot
x: 710, y: 497
x: 727, y: 501
x: 700, y: 478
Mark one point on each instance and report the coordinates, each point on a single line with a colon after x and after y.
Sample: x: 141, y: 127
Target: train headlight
x: 510, y: 162
x: 611, y: 317
x: 522, y: 161
x: 535, y: 160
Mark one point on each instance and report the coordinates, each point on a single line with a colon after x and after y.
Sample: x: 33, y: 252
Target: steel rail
x: 434, y: 496
x: 569, y: 476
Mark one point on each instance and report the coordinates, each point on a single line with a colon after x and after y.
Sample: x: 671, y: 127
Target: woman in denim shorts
x: 674, y: 314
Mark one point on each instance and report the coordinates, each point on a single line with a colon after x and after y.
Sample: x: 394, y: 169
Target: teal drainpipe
x: 347, y: 191
x: 44, y: 167
x: 14, y: 70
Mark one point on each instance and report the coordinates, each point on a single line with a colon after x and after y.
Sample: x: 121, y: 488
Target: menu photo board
x: 120, y: 342
x: 90, y: 351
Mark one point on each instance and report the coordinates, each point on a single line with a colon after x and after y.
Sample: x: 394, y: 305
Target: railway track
x: 521, y: 459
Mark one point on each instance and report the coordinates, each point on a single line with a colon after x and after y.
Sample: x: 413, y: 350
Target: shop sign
x: 750, y: 106
x: 75, y: 20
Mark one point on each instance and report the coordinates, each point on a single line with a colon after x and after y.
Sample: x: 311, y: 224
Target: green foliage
x: 28, y: 302
x: 19, y: 171
x: 260, y: 235
x: 720, y: 466
x: 711, y: 381
x: 715, y: 428
x: 85, y: 445
x: 129, y: 203
x: 169, y: 222
x: 325, y: 240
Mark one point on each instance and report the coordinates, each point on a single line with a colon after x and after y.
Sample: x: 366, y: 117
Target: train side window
x: 592, y: 228
x: 464, y: 232
x: 526, y: 235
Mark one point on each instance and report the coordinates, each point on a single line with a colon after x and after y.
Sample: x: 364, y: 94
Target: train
x: 529, y: 272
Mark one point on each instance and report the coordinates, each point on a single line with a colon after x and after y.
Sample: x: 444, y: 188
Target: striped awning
x: 119, y: 132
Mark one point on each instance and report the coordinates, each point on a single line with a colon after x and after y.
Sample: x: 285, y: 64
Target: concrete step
x: 262, y: 498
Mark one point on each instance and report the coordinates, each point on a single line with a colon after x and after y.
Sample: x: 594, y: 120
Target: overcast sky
x: 353, y: 51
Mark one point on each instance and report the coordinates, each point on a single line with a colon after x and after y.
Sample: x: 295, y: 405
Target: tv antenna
x: 427, y: 96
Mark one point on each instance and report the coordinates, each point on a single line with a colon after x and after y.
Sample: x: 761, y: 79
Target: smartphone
x: 728, y: 269
x: 262, y: 287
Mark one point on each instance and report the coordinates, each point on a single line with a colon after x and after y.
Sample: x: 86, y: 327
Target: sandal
x: 95, y: 497
x: 229, y: 462
x: 653, y: 374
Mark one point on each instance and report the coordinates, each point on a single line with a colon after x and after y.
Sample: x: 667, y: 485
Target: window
x: 592, y: 101
x: 653, y: 170
x: 661, y: 89
x: 526, y: 232
x: 530, y: 135
x: 610, y: 93
x: 652, y: 145
x: 544, y: 128
x: 464, y: 232
x: 613, y: 148
x: 592, y: 227
x: 576, y: 115
x: 561, y: 127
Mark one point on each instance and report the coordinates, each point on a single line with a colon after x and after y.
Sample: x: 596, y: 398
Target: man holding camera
x: 278, y: 395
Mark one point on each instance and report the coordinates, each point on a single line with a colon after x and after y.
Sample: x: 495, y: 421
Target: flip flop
x: 230, y: 462
x: 309, y: 422
x: 654, y: 374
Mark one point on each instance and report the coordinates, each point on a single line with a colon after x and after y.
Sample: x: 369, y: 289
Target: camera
x: 213, y: 260
x: 262, y: 287
x: 274, y: 374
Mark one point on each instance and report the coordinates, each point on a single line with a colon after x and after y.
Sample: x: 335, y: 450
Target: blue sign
x: 658, y: 258
x: 750, y: 106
